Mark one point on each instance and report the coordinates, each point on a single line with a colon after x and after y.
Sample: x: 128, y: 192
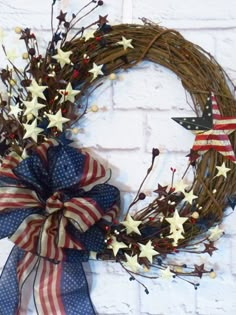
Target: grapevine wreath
x: 56, y: 203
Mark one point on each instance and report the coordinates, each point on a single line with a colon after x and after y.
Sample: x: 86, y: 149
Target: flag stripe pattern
x: 59, y: 224
x: 24, y: 269
x: 112, y: 214
x: 93, y: 172
x: 47, y: 288
x: 8, y: 164
x: 217, y: 138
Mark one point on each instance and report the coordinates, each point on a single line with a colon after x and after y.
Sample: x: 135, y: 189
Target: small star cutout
x: 126, y: 43
x: 222, y: 170
x: 176, y: 222
x: 161, y: 190
x: 176, y: 236
x: 69, y: 94
x: 131, y: 225
x: 63, y: 57
x: 32, y: 107
x: 193, y: 156
x: 147, y: 251
x: 232, y: 202
x: 189, y: 197
x: 102, y: 20
x: 62, y: 17
x: 56, y: 38
x: 116, y: 246
x: 57, y: 120
x: 15, y: 110
x: 199, y: 270
x: 88, y: 34
x: 216, y: 233
x: 167, y: 274
x: 32, y: 131
x: 132, y: 263
x: 209, y: 248
x: 96, y: 71
x: 37, y: 90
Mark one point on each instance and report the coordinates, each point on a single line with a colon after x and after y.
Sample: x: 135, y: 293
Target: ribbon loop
x: 62, y: 193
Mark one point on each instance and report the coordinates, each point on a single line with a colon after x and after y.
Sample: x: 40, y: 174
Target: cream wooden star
x: 88, y: 34
x: 176, y: 222
x: 32, y: 131
x: 37, y: 90
x: 69, y: 94
x: 57, y: 120
x: 32, y: 107
x: 167, y: 274
x: 131, y: 225
x: 222, y: 170
x: 216, y: 233
x: 147, y: 251
x: 63, y: 57
x: 189, y: 196
x: 116, y: 246
x: 126, y: 43
x: 132, y: 263
x: 15, y: 110
x: 96, y: 71
x: 176, y: 236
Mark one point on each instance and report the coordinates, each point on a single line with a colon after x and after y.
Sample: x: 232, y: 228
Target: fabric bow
x: 49, y: 204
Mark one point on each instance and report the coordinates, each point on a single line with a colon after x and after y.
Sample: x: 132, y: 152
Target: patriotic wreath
x: 55, y: 201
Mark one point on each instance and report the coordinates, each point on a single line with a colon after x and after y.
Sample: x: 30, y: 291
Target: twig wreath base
x: 69, y: 209
x: 200, y: 74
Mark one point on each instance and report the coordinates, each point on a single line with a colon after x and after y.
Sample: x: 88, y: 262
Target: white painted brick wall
x: 139, y: 105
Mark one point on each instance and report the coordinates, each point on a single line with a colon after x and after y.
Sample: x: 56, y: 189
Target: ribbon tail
x: 17, y: 269
x: 61, y: 289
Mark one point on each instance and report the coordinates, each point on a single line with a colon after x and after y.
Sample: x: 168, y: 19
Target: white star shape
x: 88, y: 34
x: 63, y: 57
x: 176, y: 236
x: 166, y: 273
x: 37, y: 90
x: 15, y: 110
x: 131, y: 225
x: 57, y: 120
x: 32, y: 130
x: 147, y: 251
x: 116, y: 246
x: 32, y: 107
x: 222, y: 170
x: 126, y: 43
x: 176, y: 222
x: 69, y: 94
x: 189, y: 196
x: 132, y: 263
x: 216, y: 233
x: 96, y: 71
x: 180, y: 186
